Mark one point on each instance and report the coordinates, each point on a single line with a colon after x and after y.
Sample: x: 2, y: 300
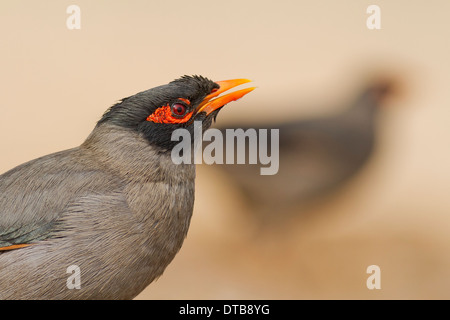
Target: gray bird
x: 103, y: 220
x: 315, y: 155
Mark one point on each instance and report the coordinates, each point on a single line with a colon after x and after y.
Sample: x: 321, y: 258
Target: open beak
x: 209, y: 104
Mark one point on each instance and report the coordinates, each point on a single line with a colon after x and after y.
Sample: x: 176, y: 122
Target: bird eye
x: 178, y: 109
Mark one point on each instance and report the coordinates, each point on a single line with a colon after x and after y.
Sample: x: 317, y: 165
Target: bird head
x: 157, y: 112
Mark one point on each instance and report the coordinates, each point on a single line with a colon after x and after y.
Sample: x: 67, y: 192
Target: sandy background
x: 55, y: 84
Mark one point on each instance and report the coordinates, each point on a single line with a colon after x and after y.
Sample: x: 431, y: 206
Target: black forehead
x: 192, y: 86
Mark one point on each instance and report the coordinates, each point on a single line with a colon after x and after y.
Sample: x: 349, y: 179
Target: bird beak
x: 208, y: 105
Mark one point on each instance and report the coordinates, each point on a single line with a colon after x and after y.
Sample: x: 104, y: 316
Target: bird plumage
x: 117, y: 207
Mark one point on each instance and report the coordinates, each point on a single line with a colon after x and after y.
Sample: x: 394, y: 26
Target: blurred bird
x: 116, y: 208
x: 315, y: 155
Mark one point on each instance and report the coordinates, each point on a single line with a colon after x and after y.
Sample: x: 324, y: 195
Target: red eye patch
x: 164, y: 115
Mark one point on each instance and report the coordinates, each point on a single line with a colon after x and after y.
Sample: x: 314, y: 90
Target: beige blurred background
x: 55, y: 84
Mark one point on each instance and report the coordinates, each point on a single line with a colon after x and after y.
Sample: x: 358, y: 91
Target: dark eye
x: 178, y: 109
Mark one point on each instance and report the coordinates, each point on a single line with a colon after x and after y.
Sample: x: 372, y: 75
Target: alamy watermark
x: 74, y: 280
x: 73, y: 21
x: 236, y: 147
x: 374, y: 280
x: 373, y: 22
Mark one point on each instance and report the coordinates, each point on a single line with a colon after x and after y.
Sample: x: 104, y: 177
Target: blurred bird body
x: 117, y: 207
x: 315, y: 155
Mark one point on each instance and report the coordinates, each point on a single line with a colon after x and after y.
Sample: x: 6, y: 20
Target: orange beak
x: 208, y: 105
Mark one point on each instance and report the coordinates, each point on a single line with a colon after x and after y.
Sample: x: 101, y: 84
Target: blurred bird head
x: 157, y: 112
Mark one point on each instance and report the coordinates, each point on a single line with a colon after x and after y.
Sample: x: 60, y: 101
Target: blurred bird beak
x: 208, y: 105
